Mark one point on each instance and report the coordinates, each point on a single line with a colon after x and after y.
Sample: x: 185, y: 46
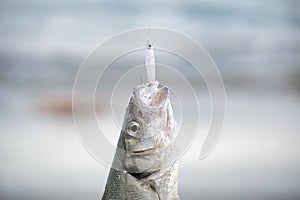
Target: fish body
x: 145, y: 165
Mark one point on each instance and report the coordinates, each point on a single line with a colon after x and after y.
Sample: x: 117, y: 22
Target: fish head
x: 148, y: 132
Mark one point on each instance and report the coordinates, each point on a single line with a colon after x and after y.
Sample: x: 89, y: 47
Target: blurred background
x: 255, y: 44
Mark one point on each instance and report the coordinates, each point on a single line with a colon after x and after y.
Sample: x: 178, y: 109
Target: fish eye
x: 133, y: 128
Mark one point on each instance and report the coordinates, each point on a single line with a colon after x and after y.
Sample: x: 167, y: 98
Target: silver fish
x: 145, y: 165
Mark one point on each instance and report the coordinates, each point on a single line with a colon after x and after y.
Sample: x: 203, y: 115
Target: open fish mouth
x: 151, y: 95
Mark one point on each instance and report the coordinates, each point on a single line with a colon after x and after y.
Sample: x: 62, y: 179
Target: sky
x: 255, y: 45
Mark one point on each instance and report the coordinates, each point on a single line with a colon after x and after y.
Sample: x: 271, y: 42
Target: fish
x: 145, y: 164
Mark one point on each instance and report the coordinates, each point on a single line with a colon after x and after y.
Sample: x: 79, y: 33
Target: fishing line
x: 150, y: 17
x: 149, y: 53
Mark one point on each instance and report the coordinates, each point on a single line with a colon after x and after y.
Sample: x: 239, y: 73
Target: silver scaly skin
x: 145, y: 165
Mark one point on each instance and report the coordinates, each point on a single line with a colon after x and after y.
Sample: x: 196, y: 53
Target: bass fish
x: 145, y: 164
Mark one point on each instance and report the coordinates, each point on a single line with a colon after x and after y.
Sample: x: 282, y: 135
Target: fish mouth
x: 152, y: 95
